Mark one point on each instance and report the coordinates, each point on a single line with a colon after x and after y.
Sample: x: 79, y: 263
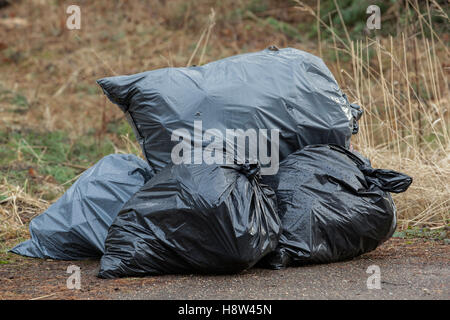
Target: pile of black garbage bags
x: 248, y: 162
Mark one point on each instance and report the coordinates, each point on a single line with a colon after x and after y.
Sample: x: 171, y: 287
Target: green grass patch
x: 18, y: 101
x: 54, y: 155
x: 283, y: 27
x: 423, y: 233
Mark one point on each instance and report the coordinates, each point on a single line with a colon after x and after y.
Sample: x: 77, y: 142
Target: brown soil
x: 410, y: 269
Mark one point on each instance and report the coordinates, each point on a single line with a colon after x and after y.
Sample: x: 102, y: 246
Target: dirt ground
x: 409, y: 269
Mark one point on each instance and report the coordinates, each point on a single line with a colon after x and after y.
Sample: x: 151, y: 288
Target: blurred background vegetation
x: 55, y: 122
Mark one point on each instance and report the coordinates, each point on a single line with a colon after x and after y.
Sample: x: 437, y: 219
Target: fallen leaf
x: 32, y: 172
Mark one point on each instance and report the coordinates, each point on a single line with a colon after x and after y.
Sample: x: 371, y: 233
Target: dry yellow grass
x: 17, y: 208
x: 404, y: 91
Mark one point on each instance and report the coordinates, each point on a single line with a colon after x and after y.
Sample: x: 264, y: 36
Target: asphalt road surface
x: 409, y: 269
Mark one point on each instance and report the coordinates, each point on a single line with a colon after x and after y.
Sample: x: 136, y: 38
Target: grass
x: 37, y: 167
x: 55, y: 122
x: 52, y: 153
x: 423, y: 233
x: 403, y: 128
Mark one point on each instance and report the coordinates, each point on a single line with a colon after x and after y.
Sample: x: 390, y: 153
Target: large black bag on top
x: 193, y: 219
x: 75, y: 226
x: 333, y: 206
x: 289, y: 93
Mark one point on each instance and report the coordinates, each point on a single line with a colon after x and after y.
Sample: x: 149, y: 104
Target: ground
x: 409, y: 269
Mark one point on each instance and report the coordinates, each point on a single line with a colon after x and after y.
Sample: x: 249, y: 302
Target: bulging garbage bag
x: 279, y: 100
x: 193, y: 219
x: 75, y: 227
x: 333, y: 206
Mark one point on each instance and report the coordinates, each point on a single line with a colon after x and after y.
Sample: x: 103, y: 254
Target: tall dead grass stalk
x: 404, y: 91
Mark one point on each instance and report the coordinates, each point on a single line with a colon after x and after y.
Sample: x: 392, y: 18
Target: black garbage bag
x: 280, y: 100
x: 75, y: 227
x: 193, y: 219
x: 333, y: 206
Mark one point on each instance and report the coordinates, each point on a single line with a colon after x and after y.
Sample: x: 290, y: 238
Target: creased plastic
x: 193, y: 219
x: 75, y: 227
x: 333, y: 206
x: 286, y: 90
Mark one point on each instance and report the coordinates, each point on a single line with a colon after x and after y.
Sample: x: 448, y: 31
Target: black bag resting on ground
x: 287, y: 90
x: 75, y: 227
x: 193, y: 219
x: 333, y: 206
